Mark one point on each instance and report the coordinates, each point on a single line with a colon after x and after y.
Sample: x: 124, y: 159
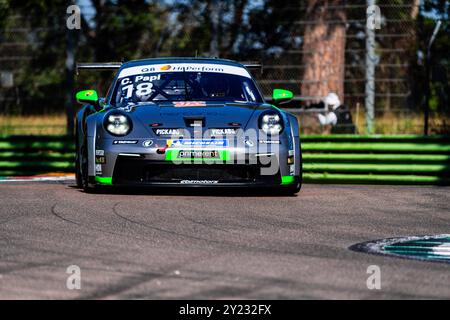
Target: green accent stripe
x: 287, y: 180
x: 104, y: 180
x: 172, y: 155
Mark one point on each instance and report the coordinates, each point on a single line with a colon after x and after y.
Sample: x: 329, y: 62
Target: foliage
x: 236, y: 29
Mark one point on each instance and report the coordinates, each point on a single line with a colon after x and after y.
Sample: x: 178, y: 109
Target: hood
x: 182, y: 114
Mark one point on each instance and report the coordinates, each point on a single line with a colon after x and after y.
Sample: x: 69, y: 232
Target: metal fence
x: 398, y: 110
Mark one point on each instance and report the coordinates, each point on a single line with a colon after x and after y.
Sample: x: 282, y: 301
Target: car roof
x: 134, y: 63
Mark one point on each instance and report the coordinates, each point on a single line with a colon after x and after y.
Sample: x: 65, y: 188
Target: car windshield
x: 185, y: 86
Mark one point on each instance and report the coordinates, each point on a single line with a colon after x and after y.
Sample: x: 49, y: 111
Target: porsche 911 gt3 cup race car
x: 185, y: 122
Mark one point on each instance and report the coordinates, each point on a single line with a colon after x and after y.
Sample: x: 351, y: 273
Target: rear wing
x: 98, y: 65
x: 117, y: 65
x: 253, y: 65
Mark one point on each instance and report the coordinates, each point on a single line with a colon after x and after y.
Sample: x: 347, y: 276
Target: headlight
x: 118, y: 124
x: 271, y: 123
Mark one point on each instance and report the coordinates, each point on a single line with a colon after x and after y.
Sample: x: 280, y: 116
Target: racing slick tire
x: 78, y: 177
x: 292, y: 191
x: 83, y: 164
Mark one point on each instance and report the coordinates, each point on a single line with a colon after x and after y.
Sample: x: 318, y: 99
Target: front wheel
x: 293, y: 190
x: 78, y: 177
x: 84, y: 176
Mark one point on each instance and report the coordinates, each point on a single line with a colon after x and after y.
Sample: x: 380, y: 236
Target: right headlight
x: 118, y: 124
x: 271, y: 123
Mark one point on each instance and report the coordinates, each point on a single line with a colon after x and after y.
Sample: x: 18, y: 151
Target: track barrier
x: 353, y: 159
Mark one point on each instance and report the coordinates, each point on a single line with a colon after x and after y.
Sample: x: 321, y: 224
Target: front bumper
x: 119, y: 165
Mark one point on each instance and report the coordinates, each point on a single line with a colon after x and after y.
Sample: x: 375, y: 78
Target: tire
x: 292, y: 191
x: 83, y: 163
x: 78, y: 177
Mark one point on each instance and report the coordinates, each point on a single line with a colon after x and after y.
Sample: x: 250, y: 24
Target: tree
x: 324, y: 48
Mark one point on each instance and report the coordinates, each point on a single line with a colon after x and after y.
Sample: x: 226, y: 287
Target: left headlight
x: 118, y: 124
x: 271, y: 123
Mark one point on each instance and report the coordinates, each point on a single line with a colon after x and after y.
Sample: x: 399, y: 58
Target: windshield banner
x: 187, y: 67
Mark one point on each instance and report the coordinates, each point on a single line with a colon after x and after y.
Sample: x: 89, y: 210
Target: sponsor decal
x: 199, y: 181
x: 200, y: 154
x: 167, y: 132
x: 269, y: 141
x: 180, y: 67
x: 98, y: 168
x: 147, y: 78
x: 100, y: 159
x: 147, y: 143
x: 249, y: 143
x: 426, y: 248
x: 198, y: 143
x: 291, y: 153
x: 125, y: 141
x: 224, y: 131
x: 99, y: 152
x: 205, y: 155
x: 292, y: 170
x: 189, y: 104
x: 139, y: 78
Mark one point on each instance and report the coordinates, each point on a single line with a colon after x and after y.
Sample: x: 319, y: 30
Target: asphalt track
x: 198, y: 245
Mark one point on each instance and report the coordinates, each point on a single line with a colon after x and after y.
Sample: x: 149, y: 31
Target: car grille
x: 141, y: 171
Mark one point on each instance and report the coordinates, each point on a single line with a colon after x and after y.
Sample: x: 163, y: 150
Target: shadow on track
x: 190, y: 191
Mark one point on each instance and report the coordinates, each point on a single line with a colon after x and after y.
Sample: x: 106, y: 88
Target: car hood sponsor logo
x: 147, y: 143
x: 125, y: 141
x: 167, y: 132
x: 197, y: 143
x: 224, y: 131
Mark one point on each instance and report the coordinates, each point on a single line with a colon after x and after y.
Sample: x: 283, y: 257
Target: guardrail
x: 354, y: 159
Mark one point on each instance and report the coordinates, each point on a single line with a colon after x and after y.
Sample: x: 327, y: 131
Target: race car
x: 185, y: 122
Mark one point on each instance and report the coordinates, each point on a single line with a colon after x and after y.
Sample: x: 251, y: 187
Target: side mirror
x: 281, y: 96
x: 87, y: 96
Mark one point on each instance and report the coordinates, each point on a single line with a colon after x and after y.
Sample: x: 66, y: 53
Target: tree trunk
x: 324, y: 49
